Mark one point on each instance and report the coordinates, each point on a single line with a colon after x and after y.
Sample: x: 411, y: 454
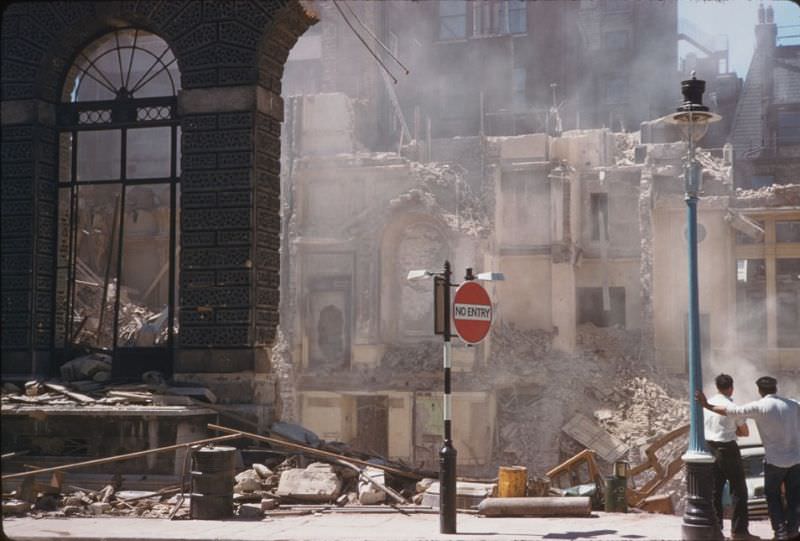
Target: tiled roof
x: 747, y: 130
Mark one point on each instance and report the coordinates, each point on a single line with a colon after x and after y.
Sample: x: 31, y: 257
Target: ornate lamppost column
x: 699, y: 520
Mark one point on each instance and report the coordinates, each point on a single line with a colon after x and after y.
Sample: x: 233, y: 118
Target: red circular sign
x: 472, y: 312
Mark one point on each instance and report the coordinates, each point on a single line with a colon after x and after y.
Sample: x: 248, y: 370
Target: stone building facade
x: 228, y: 110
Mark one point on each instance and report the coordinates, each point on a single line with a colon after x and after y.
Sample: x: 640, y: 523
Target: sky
x: 737, y: 19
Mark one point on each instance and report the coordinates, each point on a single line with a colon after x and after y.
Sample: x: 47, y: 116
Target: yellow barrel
x: 512, y: 481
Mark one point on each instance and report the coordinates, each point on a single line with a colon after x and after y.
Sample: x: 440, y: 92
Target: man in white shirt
x: 721, y: 432
x: 778, y: 421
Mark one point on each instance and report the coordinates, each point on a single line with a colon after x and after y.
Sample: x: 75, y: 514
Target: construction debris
x: 536, y: 507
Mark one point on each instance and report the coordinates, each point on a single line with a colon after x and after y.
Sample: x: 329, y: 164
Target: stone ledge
x: 27, y: 112
x: 227, y: 99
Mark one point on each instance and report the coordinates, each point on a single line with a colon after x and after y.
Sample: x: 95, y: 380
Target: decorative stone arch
x: 412, y: 239
x: 231, y: 57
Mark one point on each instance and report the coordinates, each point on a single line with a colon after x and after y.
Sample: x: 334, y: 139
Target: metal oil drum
x: 512, y: 481
x: 616, y: 488
x: 212, y: 483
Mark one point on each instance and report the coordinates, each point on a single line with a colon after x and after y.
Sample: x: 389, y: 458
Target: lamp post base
x: 700, y: 521
x: 447, y: 488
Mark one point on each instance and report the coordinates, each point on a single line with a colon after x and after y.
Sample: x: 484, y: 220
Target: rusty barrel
x: 212, y: 482
x: 512, y: 481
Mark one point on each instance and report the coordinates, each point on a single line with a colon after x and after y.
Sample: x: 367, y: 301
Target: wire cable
x: 361, y: 39
x: 365, y: 27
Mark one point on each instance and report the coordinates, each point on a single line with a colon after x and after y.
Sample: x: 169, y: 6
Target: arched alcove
x: 412, y: 240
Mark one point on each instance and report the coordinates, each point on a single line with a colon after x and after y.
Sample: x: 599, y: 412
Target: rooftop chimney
x: 766, y: 29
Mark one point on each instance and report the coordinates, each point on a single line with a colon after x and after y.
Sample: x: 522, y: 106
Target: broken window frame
x: 119, y: 115
x: 772, y: 252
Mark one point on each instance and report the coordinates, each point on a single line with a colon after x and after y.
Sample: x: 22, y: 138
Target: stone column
x: 29, y: 201
x: 230, y: 227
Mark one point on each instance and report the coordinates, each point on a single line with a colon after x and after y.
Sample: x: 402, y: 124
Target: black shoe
x: 745, y: 536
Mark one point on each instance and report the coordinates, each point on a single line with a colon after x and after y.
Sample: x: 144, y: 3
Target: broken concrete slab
x: 262, y: 471
x: 317, y: 483
x: 247, y: 481
x: 251, y: 511
x: 368, y: 493
x: 15, y: 507
x: 590, y: 435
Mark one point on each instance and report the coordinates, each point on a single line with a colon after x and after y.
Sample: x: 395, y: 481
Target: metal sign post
x: 473, y: 319
x: 448, y: 453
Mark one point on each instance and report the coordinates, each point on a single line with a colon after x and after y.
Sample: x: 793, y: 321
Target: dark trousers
x: 728, y: 467
x: 784, y: 522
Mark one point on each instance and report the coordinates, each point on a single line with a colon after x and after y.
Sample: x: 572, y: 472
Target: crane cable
x: 361, y: 39
x: 385, y: 48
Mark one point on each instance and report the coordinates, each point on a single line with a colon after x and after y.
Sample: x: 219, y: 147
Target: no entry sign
x: 472, y: 312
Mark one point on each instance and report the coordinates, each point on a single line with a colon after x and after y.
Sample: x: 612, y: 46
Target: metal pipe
x: 126, y: 456
x: 580, y: 506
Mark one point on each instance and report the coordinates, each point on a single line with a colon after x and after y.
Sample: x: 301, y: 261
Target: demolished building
x: 587, y: 226
x: 582, y: 225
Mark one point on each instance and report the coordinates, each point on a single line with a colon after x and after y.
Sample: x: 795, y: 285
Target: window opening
x: 452, y: 19
x: 590, y: 307
x: 788, y: 127
x: 118, y: 188
x: 751, y: 303
x: 599, y: 209
x: 787, y: 289
x: 787, y: 231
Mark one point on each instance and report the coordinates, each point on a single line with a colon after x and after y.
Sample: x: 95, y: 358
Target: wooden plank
x: 141, y: 398
x: 194, y: 392
x: 116, y: 458
x: 80, y: 397
x: 318, y: 452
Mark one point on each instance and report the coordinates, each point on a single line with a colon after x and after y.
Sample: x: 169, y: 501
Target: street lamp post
x: 699, y: 520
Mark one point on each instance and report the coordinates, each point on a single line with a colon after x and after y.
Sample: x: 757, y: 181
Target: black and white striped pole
x: 442, y: 306
x: 448, y: 453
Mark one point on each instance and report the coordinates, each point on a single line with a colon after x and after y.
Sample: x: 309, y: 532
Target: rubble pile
x: 511, y: 344
x: 442, y: 186
x: 612, y: 343
x: 137, y: 325
x: 294, y: 484
x: 714, y: 166
x: 91, y: 392
x: 776, y: 195
x: 620, y: 393
x: 645, y: 411
x: 625, y: 147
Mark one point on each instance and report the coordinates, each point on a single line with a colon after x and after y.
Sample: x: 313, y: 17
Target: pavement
x: 388, y: 526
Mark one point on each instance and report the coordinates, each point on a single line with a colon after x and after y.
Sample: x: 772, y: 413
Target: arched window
x: 119, y: 166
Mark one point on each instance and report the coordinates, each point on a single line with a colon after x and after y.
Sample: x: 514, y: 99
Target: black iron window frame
x: 124, y: 115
